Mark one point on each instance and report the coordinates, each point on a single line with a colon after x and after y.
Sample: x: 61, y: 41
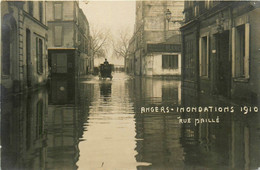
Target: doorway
x: 59, y: 63
x: 223, y: 75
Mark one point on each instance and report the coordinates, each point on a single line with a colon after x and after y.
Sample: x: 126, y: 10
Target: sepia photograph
x: 130, y: 85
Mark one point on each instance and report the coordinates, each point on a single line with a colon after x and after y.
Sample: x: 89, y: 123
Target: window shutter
x: 37, y: 54
x: 233, y: 52
x: 200, y: 55
x: 247, y: 49
x: 207, y: 55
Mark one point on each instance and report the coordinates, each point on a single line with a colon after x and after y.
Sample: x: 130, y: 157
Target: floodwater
x: 123, y: 124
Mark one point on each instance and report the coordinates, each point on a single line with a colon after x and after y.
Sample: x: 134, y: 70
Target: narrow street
x: 100, y: 124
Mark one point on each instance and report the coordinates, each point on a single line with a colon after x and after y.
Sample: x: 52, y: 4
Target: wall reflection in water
x: 23, y: 131
x: 157, y: 134
x: 234, y: 144
x: 168, y: 144
x: 155, y: 91
x: 64, y: 124
x: 231, y: 144
x: 38, y: 135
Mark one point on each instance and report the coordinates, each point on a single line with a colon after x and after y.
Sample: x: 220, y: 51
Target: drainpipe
x: 164, y: 21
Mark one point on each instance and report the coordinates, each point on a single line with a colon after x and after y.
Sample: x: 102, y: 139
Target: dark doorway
x: 223, y: 64
x: 62, y: 62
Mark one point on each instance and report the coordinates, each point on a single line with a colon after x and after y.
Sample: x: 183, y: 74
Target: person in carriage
x: 105, y: 70
x: 106, y: 62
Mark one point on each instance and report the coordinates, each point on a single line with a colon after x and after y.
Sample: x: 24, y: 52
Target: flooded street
x: 125, y: 123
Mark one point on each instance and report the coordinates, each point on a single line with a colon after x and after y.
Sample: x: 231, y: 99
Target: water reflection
x: 110, y: 127
x: 23, y: 133
x: 154, y: 91
x: 95, y: 124
x: 105, y: 89
x: 64, y: 125
x: 157, y: 133
x: 232, y: 144
x: 62, y: 90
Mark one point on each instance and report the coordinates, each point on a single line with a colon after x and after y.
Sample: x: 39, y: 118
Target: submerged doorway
x: 223, y: 75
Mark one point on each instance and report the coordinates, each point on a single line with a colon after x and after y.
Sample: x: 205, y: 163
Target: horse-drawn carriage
x: 105, y: 71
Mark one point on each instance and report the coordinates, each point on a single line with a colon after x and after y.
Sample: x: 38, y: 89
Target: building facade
x: 68, y: 34
x: 221, y: 49
x: 155, y: 47
x: 23, y: 46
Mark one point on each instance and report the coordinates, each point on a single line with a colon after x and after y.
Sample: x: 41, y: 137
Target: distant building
x: 68, y: 47
x: 221, y: 49
x: 155, y: 47
x: 24, y: 45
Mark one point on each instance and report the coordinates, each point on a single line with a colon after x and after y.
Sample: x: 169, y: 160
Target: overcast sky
x: 114, y: 15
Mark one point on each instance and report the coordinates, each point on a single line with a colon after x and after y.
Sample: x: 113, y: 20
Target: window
x: 40, y: 11
x: 240, y: 51
x: 39, y: 55
x: 57, y: 11
x: 170, y: 61
x: 204, y: 56
x: 30, y: 7
x: 57, y: 35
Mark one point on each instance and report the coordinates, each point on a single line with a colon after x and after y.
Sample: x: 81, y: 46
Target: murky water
x: 126, y: 123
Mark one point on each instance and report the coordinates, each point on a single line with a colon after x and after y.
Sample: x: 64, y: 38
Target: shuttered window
x: 39, y: 55
x: 240, y: 51
x: 204, y: 56
x: 170, y: 61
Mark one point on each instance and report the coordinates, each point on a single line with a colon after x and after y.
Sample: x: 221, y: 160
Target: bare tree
x: 100, y: 40
x: 121, y: 44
